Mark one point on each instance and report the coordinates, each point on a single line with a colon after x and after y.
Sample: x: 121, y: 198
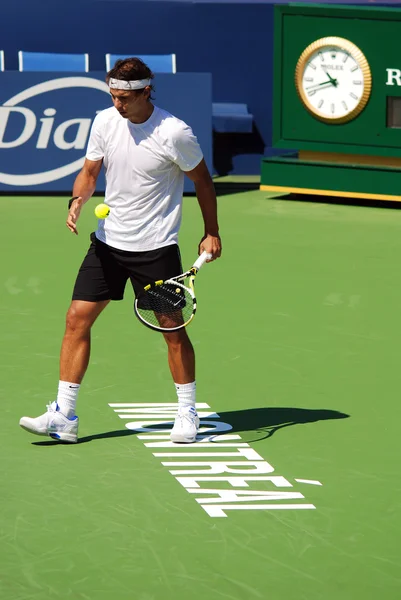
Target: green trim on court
x: 297, y: 340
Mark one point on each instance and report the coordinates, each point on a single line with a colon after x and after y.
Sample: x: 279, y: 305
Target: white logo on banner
x: 46, y: 129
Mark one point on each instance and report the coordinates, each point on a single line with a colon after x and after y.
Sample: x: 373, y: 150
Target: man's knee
x: 81, y: 315
x: 176, y: 339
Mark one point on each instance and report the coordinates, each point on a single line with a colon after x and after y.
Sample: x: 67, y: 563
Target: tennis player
x: 145, y: 152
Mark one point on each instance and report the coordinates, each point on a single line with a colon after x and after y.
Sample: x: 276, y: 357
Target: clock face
x: 333, y: 80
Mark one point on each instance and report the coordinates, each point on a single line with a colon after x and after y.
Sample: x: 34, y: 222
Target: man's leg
x: 181, y: 356
x: 60, y: 422
x: 181, y: 360
x: 75, y: 349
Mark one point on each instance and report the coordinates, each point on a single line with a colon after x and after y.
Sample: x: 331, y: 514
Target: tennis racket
x: 170, y: 305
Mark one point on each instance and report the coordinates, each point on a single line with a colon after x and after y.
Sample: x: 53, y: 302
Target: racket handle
x: 201, y: 260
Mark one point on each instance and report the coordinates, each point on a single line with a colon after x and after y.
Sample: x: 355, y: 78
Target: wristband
x: 71, y: 201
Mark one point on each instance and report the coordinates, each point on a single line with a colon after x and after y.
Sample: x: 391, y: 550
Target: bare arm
x: 84, y: 187
x: 206, y: 195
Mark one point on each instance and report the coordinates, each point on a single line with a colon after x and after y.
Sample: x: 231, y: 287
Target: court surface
x: 298, y: 348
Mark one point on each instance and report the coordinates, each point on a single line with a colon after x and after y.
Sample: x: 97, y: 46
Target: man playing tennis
x: 145, y: 152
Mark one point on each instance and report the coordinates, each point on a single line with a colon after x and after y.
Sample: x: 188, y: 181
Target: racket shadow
x: 261, y: 423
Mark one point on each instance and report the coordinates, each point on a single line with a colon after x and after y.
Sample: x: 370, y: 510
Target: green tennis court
x: 297, y: 338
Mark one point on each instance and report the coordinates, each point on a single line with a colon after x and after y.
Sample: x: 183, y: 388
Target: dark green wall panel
x: 285, y: 172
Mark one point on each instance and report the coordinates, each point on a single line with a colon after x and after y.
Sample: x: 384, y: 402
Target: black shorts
x: 105, y: 270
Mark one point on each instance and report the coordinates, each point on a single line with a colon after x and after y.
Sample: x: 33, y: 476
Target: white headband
x: 120, y: 84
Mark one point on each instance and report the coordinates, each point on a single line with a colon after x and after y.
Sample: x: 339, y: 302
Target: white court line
x: 311, y: 481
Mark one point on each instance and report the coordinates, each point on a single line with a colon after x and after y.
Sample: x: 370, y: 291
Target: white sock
x: 186, y: 393
x: 67, y: 397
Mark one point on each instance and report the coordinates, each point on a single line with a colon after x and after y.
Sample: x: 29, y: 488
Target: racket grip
x: 201, y: 260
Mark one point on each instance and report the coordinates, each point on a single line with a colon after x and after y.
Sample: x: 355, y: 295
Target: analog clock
x: 333, y: 80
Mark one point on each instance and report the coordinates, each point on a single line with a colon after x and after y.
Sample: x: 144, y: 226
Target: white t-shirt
x: 144, y: 167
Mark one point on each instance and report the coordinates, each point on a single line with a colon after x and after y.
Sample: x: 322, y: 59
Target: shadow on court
x: 89, y: 438
x: 261, y: 423
x: 264, y: 422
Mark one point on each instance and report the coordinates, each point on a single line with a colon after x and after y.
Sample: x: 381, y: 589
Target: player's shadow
x: 89, y: 438
x: 261, y: 423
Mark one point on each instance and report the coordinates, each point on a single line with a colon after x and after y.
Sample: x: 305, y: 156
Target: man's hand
x: 85, y: 184
x: 212, y: 245
x: 73, y: 214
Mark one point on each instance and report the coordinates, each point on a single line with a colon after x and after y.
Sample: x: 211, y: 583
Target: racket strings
x: 167, y: 306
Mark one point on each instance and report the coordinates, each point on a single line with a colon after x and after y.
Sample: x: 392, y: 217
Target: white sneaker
x: 186, y: 426
x: 54, y: 424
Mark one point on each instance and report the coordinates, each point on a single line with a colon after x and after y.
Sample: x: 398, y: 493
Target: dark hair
x: 130, y: 69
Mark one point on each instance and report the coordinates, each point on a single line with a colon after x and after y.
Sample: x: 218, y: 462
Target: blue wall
x: 233, y: 41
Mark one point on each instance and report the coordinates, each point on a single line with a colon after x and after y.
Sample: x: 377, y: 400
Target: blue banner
x: 45, y: 122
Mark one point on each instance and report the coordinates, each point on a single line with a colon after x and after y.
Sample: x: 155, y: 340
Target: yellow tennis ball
x: 102, y: 211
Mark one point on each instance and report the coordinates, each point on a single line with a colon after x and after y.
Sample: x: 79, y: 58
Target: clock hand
x: 317, y: 85
x: 333, y: 81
